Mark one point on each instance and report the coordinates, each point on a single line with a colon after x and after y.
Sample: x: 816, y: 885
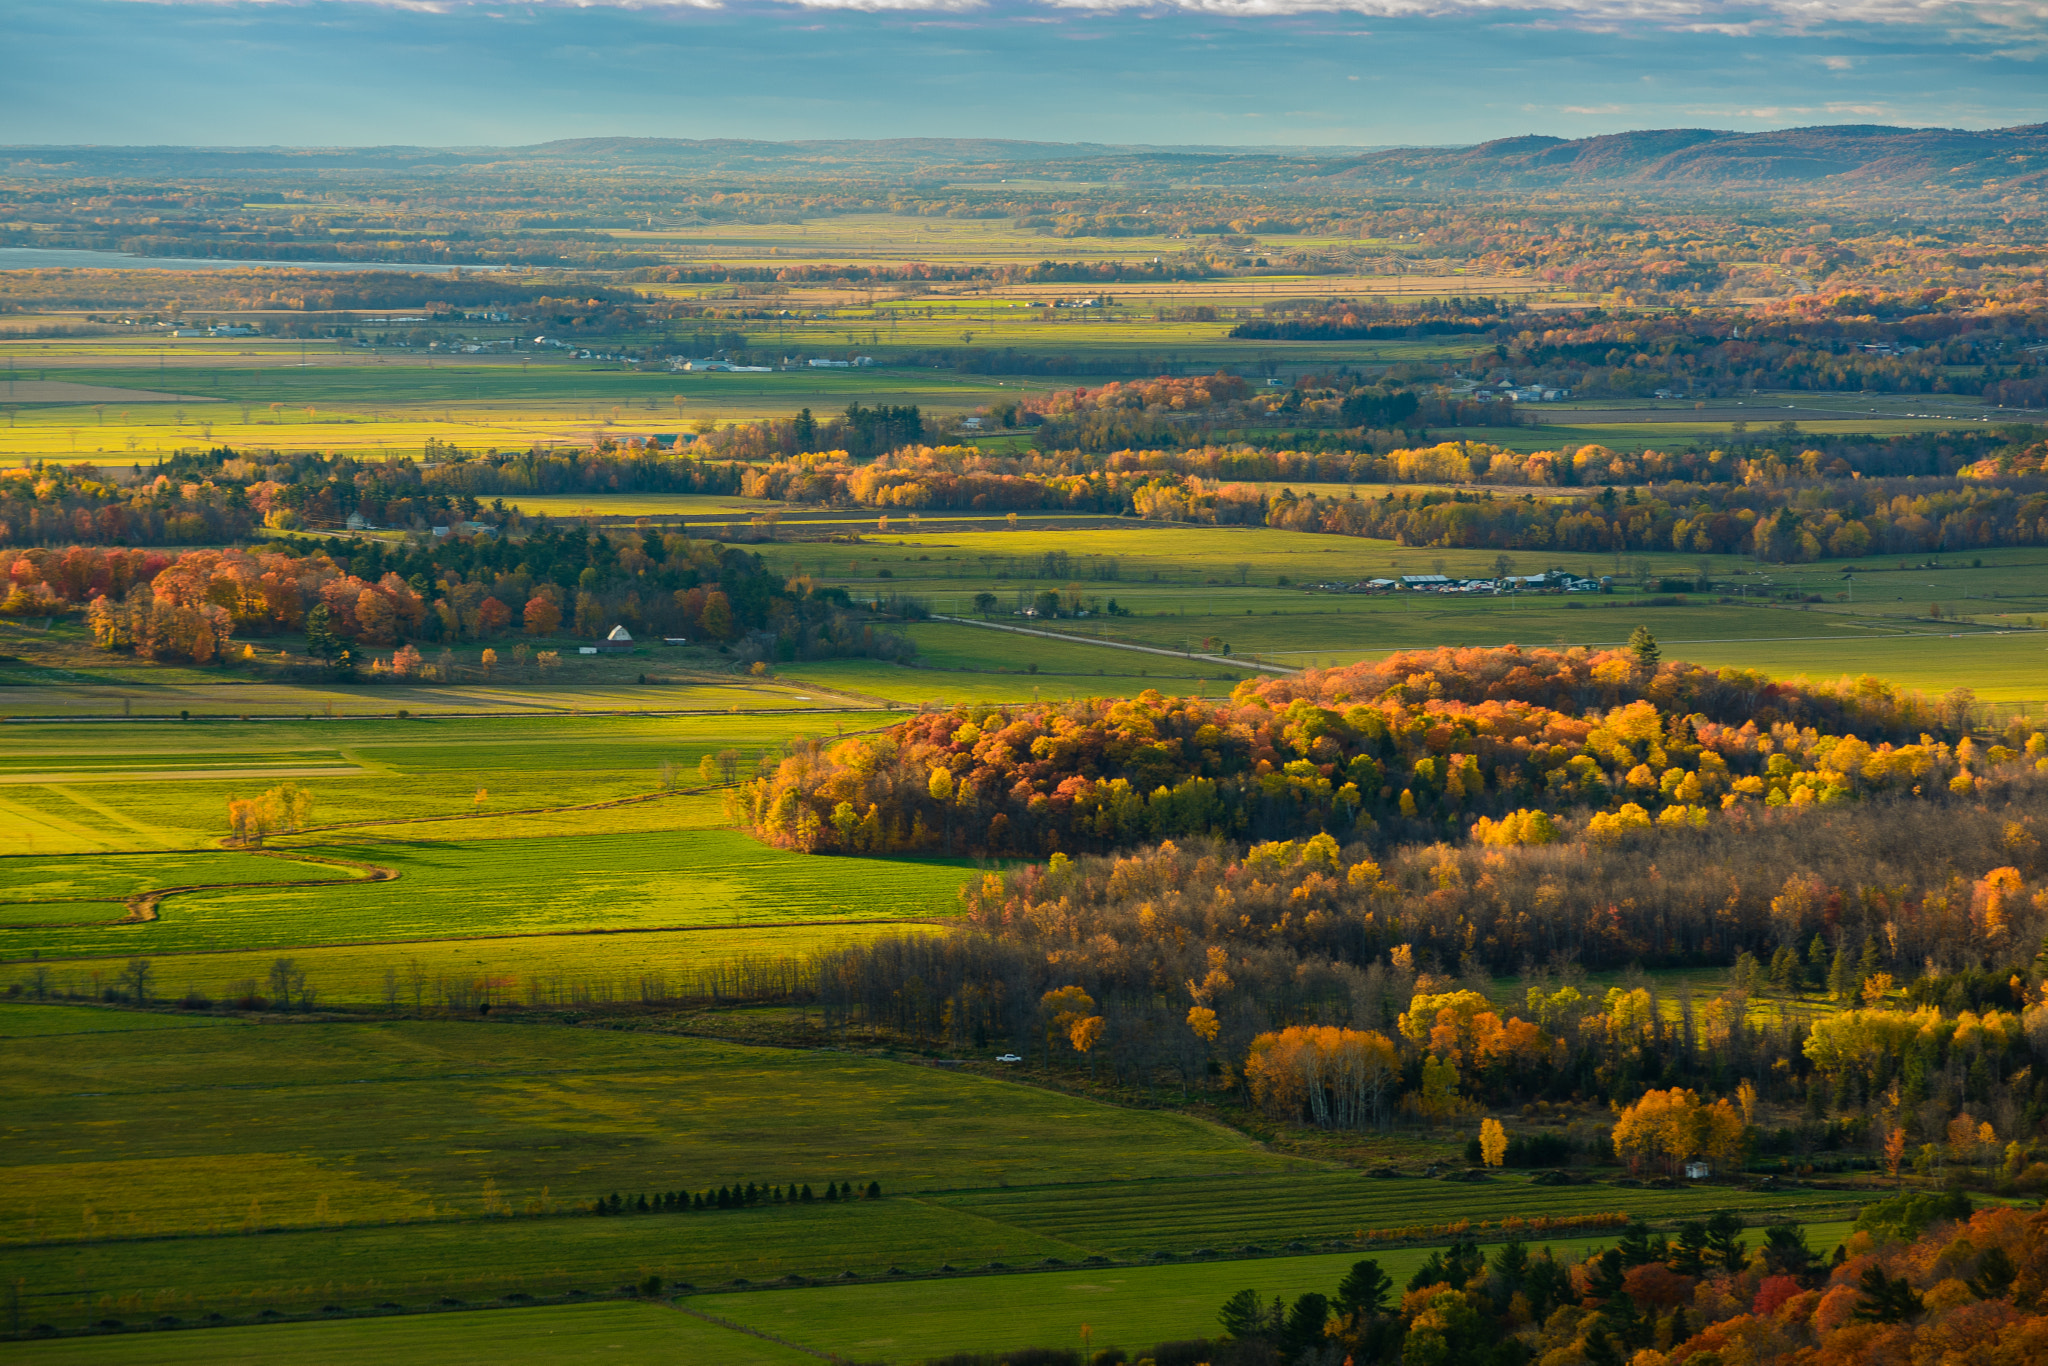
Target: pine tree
x: 1785, y: 971
x: 1871, y: 963
x: 806, y: 1197
x: 831, y: 1191
x: 1817, y: 960
x: 874, y: 1190
x: 1841, y: 977
x: 321, y: 642
x: 1643, y: 646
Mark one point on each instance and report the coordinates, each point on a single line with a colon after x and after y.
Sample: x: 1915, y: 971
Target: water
x: 49, y: 258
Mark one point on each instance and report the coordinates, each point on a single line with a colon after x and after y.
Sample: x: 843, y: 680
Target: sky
x: 1162, y: 72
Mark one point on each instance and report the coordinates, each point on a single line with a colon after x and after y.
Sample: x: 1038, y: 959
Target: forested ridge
x: 1417, y: 745
x: 1213, y: 908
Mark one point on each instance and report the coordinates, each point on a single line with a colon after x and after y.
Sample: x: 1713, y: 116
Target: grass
x: 500, y: 880
x: 423, y: 767
x: 115, y: 878
x: 1226, y: 1212
x: 620, y: 1333
x: 233, y: 1165
x: 225, y: 1158
x: 459, y: 889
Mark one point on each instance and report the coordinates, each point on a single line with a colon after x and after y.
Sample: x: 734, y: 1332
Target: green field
x: 653, y: 1334
x: 1133, y: 1307
x: 414, y: 1160
x: 540, y: 857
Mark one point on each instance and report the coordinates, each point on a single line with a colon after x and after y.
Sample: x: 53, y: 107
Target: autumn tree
x: 1063, y: 1010
x: 1493, y: 1143
x: 543, y: 617
x: 1668, y: 1128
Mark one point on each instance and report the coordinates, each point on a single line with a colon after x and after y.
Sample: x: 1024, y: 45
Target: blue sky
x: 1347, y: 72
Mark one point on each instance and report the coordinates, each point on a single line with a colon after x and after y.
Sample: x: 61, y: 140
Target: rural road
x: 1224, y: 660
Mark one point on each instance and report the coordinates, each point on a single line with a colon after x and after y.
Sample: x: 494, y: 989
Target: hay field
x: 625, y: 1334
x: 531, y: 859
x: 213, y: 1195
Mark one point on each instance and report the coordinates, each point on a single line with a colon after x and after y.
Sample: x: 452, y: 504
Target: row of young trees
x: 733, y: 1197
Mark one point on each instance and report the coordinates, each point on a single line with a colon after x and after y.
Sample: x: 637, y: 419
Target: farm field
x: 160, y: 793
x: 649, y: 1334
x: 562, y: 884
x: 52, y: 671
x: 145, y: 397
x: 1133, y: 1307
x: 535, y: 859
x: 429, y: 1129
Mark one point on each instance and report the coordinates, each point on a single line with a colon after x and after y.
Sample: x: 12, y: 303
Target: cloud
x: 1738, y: 17
x: 1837, y: 63
x: 1589, y: 109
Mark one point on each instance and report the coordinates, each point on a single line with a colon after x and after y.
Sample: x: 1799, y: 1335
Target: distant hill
x: 1677, y: 160
x: 1850, y: 155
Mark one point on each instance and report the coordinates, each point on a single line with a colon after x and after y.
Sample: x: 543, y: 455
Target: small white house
x: 1697, y: 1171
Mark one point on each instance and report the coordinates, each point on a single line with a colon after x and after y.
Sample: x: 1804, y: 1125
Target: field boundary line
x: 452, y: 714
x: 63, y: 777
x: 142, y: 907
x: 449, y: 938
x: 720, y: 1322
x: 1221, y: 660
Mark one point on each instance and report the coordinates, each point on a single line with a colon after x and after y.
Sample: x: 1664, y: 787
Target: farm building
x: 620, y: 641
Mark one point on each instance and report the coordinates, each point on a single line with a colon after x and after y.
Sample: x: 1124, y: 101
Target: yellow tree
x: 1063, y: 1009
x: 1084, y: 1034
x: 1493, y: 1143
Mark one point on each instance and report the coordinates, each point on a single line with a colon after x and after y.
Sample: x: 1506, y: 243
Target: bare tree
x: 135, y: 980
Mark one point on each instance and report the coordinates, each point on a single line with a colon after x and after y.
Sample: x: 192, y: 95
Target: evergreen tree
x: 1634, y: 1244
x: 1364, y: 1289
x: 1871, y: 963
x: 1841, y: 977
x: 1725, y: 1240
x: 1643, y: 646
x: 321, y: 642
x: 1548, y: 1285
x: 1604, y: 1275
x: 1305, y: 1323
x: 1689, y: 1253
x: 1785, y: 1250
x: 1817, y: 960
x: 874, y: 1190
x: 1243, y: 1316
x: 1785, y: 970
x: 806, y: 1197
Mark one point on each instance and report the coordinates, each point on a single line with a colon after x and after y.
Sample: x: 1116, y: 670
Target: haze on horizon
x: 1172, y: 72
